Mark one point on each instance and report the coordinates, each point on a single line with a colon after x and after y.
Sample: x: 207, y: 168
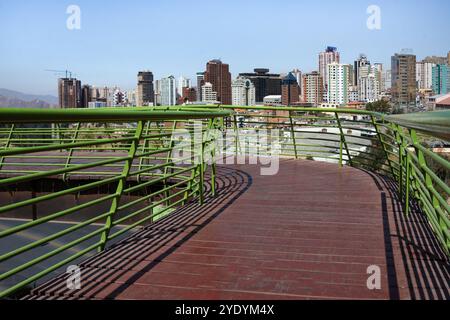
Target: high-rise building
x: 424, y: 75
x: 182, y: 83
x: 338, y: 82
x: 436, y: 60
x: 86, y: 95
x: 200, y: 83
x: 361, y: 62
x: 118, y: 97
x: 379, y: 72
x: 266, y: 84
x: 388, y: 79
x: 145, y: 93
x: 168, y: 91
x: 157, y: 92
x: 312, y: 88
x: 130, y: 97
x: 441, y: 79
x: 369, y: 84
x: 69, y: 93
x: 95, y: 93
x: 290, y: 90
x: 243, y: 92
x: 298, y: 75
x: 218, y: 74
x: 208, y: 93
x: 404, y: 85
x: 331, y: 55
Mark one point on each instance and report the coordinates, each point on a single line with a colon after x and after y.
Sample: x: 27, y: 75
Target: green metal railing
x: 127, y: 153
x: 396, y: 146
x: 117, y: 146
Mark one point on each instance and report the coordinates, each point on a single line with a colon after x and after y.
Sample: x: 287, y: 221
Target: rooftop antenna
x: 407, y: 51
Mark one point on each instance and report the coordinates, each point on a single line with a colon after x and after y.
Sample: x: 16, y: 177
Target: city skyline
x: 110, y: 54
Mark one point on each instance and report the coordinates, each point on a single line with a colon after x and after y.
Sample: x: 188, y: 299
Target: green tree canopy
x: 381, y: 106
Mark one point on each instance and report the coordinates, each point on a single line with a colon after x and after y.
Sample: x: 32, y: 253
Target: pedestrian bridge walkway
x: 309, y: 232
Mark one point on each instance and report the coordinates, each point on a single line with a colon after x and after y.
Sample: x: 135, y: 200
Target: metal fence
x: 127, y: 154
x: 130, y: 150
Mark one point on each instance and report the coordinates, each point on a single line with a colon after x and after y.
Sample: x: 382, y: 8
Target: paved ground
x: 309, y: 232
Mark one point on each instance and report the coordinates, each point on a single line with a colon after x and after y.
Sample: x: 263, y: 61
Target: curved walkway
x: 311, y: 231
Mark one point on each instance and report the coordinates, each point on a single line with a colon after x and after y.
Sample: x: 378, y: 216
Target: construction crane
x: 68, y: 73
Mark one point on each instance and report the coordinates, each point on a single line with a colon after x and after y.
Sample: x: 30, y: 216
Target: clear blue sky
x: 118, y: 38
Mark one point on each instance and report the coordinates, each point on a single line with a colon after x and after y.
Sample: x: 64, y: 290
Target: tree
x: 381, y: 106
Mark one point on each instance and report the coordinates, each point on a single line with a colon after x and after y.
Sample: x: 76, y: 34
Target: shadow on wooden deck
x: 310, y: 232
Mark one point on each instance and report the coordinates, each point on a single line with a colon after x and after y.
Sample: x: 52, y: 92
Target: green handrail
x: 113, y: 157
x: 113, y: 171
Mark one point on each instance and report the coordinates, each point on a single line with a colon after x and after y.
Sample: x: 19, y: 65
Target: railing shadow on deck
x: 426, y: 266
x: 159, y: 239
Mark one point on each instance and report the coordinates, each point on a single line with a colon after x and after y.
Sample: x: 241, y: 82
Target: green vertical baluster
x: 236, y: 136
x: 380, y: 138
x: 69, y: 156
x: 429, y: 185
x: 400, y: 160
x: 408, y: 177
x: 143, y: 150
x: 293, y: 134
x: 8, y: 142
x: 343, y: 138
x: 121, y: 185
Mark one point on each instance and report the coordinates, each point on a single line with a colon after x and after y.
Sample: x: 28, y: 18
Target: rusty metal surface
x: 309, y: 232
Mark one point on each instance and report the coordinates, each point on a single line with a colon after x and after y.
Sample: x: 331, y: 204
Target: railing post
x: 429, y: 185
x: 400, y: 145
x: 143, y: 150
x: 293, y: 134
x: 69, y: 156
x: 168, y: 159
x: 212, y: 154
x: 408, y: 177
x: 380, y: 138
x: 121, y: 184
x: 202, y: 168
x: 8, y: 142
x: 343, y: 138
x: 236, y: 136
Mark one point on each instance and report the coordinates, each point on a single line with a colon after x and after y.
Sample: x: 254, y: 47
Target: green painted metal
x: 121, y: 185
x: 291, y: 122
x: 344, y: 141
x: 78, y: 156
x: 435, y: 123
x: 128, y: 151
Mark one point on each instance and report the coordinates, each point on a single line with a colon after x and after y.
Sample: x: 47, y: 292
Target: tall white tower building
x: 331, y: 55
x: 243, y: 92
x: 338, y: 82
x: 369, y: 83
x: 424, y: 74
x: 168, y: 91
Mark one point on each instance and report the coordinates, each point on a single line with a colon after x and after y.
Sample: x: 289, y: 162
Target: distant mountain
x: 6, y: 102
x: 32, y: 98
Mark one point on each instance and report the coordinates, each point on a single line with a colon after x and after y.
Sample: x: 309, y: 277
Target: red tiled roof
x: 445, y: 102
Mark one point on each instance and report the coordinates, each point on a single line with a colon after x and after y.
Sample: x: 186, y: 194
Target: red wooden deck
x: 311, y: 231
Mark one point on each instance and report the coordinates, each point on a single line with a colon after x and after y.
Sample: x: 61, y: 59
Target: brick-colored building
x: 189, y: 95
x: 290, y: 91
x: 218, y: 74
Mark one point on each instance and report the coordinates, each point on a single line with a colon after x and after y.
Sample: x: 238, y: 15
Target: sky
x: 117, y: 39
